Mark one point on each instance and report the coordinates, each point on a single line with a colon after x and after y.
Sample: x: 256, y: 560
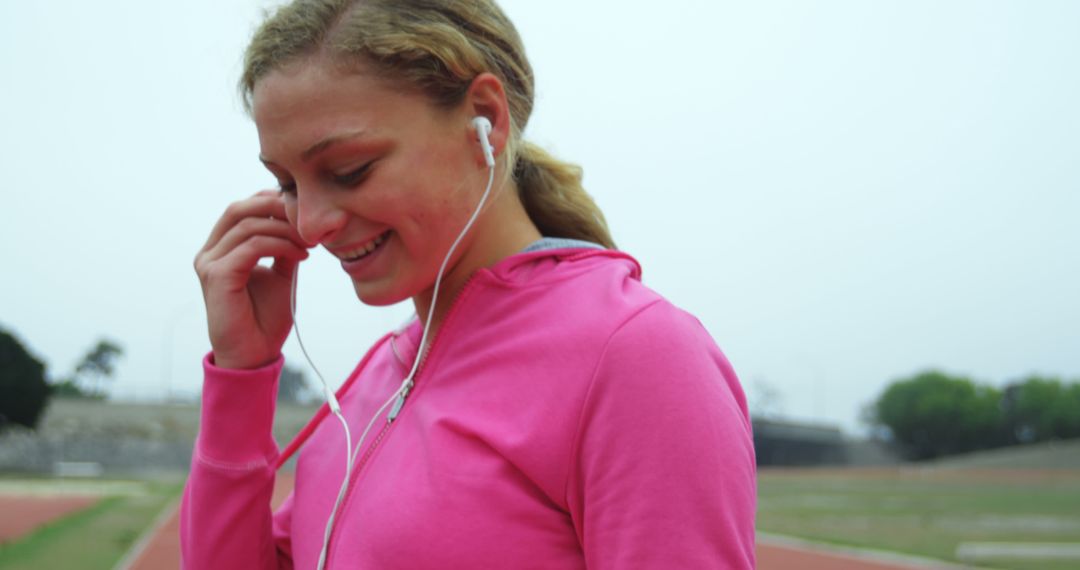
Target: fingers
x: 286, y: 266
x: 233, y: 266
x: 248, y: 254
x: 266, y: 204
x: 246, y: 228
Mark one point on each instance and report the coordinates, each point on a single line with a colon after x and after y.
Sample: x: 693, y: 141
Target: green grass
x: 94, y: 538
x: 923, y: 513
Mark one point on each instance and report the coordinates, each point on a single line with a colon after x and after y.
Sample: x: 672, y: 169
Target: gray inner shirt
x: 559, y: 243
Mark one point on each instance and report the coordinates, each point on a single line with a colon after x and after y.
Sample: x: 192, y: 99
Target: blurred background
x: 872, y: 206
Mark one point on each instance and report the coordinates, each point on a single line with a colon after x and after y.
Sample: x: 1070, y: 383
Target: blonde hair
x: 437, y: 47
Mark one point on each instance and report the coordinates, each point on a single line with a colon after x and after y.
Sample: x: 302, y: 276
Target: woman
x: 546, y: 410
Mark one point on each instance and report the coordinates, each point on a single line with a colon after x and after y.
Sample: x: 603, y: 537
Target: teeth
x: 364, y: 249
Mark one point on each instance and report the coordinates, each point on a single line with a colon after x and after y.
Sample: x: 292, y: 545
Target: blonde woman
x: 544, y: 410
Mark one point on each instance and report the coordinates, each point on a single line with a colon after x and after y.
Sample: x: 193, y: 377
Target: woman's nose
x: 318, y: 218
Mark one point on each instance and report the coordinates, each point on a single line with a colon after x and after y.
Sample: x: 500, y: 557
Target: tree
x: 933, y: 414
x: 23, y: 390
x: 1041, y: 408
x: 97, y: 365
x: 292, y: 386
x: 69, y: 388
x: 99, y: 362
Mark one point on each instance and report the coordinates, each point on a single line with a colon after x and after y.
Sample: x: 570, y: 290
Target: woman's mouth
x: 365, y: 250
x: 362, y: 262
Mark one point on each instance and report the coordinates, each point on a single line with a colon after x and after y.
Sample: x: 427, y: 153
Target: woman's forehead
x: 303, y: 105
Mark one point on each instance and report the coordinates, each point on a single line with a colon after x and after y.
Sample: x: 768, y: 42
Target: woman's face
x: 376, y: 175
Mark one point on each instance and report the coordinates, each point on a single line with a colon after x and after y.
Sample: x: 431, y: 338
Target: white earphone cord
x: 406, y: 384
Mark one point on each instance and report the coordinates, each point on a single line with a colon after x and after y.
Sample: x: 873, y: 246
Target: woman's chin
x: 376, y: 295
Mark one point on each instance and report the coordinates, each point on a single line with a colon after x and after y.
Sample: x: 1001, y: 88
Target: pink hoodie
x: 566, y: 417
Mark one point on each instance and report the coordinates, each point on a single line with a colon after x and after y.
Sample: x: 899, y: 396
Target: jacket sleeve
x: 662, y: 474
x: 225, y: 518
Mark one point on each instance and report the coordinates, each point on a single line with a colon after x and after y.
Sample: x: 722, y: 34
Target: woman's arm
x: 663, y: 472
x: 225, y: 513
x: 225, y: 519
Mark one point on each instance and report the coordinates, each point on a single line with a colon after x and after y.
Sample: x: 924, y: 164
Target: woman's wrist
x: 234, y: 363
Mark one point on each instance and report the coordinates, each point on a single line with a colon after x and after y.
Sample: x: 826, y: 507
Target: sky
x: 844, y: 192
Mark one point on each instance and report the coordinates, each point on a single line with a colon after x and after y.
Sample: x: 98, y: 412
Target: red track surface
x: 776, y: 557
x: 23, y: 514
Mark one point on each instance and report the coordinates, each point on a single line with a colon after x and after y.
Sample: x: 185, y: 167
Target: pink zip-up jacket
x: 565, y: 417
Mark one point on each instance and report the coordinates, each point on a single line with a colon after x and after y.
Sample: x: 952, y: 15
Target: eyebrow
x: 322, y: 145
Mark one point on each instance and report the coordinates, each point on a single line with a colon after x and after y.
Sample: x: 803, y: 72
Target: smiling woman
x: 360, y: 159
x: 560, y: 414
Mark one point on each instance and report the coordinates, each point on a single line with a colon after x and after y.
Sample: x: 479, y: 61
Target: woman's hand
x: 247, y: 305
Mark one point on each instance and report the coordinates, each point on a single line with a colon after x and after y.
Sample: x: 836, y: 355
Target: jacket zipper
x: 396, y: 409
x: 400, y: 401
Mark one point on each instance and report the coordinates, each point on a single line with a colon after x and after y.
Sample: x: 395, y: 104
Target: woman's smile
x: 360, y: 262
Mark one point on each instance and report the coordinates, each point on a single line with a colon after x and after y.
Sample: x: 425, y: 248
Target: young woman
x: 545, y: 409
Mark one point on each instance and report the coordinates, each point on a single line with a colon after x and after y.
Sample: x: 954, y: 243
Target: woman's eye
x: 287, y: 187
x: 354, y: 177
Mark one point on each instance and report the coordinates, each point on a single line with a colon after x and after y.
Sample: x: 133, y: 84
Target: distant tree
x: 292, y: 386
x: 97, y: 365
x: 23, y: 390
x: 1072, y: 396
x: 933, y: 414
x: 1041, y: 408
x: 69, y: 388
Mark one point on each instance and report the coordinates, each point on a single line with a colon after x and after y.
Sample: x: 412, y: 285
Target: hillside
x: 1050, y: 455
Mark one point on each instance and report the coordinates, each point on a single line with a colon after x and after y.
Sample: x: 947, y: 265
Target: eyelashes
x: 353, y: 178
x: 349, y: 179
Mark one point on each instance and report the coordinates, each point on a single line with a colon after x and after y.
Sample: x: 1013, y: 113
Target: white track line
x: 140, y: 545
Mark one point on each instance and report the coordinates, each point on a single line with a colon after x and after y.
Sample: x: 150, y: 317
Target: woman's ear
x: 487, y: 98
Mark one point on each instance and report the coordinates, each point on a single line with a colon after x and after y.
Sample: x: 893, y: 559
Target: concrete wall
x: 132, y: 439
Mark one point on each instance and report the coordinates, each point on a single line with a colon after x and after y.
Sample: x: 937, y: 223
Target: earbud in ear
x: 483, y: 129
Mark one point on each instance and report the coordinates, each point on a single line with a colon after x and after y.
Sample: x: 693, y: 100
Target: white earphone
x: 482, y: 125
x: 483, y: 129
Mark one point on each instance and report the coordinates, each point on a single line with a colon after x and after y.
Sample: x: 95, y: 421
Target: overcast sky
x: 844, y: 192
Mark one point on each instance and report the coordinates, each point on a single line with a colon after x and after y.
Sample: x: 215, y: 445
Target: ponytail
x: 552, y: 194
